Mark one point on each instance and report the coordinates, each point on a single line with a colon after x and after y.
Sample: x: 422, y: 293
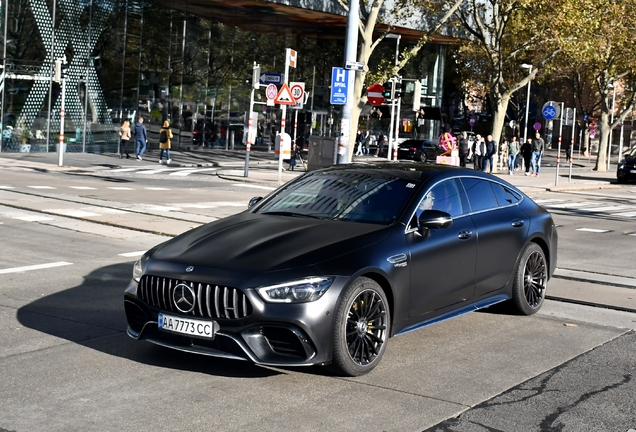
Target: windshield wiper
x: 292, y: 214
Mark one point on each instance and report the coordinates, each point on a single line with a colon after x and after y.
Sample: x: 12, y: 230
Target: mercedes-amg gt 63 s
x: 328, y: 267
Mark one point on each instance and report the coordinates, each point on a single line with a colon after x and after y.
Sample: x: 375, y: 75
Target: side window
x: 505, y: 195
x: 480, y: 194
x: 445, y: 197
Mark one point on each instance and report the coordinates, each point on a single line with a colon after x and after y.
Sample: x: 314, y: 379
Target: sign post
x: 556, y: 180
x: 291, y: 59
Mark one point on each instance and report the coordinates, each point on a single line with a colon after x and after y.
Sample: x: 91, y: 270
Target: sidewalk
x: 567, y: 285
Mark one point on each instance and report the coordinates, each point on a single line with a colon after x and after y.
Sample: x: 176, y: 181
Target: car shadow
x: 92, y: 315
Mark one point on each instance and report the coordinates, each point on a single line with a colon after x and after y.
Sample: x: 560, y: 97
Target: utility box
x: 322, y: 152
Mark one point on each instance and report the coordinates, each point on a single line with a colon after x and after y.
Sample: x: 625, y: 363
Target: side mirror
x: 254, y: 201
x: 430, y: 219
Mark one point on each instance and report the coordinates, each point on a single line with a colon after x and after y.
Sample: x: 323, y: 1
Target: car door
x: 443, y: 260
x: 501, y: 229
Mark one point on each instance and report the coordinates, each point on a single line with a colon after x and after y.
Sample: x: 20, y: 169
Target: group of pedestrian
x: 483, y: 153
x: 141, y: 140
x: 362, y: 142
x: 511, y: 153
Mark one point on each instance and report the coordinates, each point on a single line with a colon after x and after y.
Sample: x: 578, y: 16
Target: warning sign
x: 284, y: 96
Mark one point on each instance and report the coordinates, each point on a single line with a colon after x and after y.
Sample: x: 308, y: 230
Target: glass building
x: 189, y: 62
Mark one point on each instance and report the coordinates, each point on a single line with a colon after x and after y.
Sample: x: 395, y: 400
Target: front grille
x: 212, y: 301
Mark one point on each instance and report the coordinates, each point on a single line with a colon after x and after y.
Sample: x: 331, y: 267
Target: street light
x: 609, y: 144
x: 392, y: 139
x: 525, y: 131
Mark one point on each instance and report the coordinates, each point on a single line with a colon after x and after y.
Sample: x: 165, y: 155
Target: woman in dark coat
x: 526, y: 152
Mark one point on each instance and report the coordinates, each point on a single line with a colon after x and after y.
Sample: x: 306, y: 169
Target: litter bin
x: 321, y: 152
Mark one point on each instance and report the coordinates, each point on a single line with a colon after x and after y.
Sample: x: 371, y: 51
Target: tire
x: 531, y: 278
x: 361, y: 329
x: 422, y: 157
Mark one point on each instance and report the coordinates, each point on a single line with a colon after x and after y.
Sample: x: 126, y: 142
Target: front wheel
x: 422, y: 157
x: 361, y: 328
x: 531, y: 279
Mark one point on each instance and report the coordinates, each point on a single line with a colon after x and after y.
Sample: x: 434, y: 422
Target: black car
x: 330, y: 265
x: 419, y: 150
x: 626, y: 170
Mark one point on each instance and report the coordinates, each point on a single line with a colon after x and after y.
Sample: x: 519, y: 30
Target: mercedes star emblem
x: 184, y: 298
x: 189, y: 269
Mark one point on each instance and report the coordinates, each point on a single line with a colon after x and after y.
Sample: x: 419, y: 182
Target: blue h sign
x: 339, y: 83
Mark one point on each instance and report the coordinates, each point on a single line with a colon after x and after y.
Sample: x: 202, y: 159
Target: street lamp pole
x: 525, y: 131
x: 609, y: 144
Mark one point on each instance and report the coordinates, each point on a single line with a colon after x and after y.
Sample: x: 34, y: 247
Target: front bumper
x: 267, y: 333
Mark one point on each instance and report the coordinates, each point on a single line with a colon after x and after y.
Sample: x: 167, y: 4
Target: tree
x: 598, y: 36
x: 374, y: 13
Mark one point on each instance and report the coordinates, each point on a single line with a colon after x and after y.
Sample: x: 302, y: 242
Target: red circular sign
x: 375, y: 94
x: 536, y: 126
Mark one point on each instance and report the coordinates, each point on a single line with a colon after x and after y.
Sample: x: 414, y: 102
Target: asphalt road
x: 67, y: 363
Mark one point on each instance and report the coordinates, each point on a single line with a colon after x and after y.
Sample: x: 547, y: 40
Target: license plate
x: 187, y: 326
x: 632, y: 171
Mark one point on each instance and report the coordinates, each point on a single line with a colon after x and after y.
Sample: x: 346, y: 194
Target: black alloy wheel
x: 361, y: 328
x: 422, y: 156
x: 531, y: 279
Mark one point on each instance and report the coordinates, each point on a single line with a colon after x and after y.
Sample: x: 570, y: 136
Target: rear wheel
x: 361, y: 330
x: 531, y: 279
x: 422, y: 157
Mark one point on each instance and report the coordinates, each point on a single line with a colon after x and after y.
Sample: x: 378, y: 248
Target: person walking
x: 293, y: 156
x: 141, y: 138
x: 491, y: 149
x: 124, y: 135
x: 360, y: 142
x: 463, y: 149
x: 513, y: 151
x: 381, y: 140
x: 537, y: 151
x: 503, y: 154
x: 366, y: 143
x: 526, y: 153
x: 479, y: 150
x: 165, y: 135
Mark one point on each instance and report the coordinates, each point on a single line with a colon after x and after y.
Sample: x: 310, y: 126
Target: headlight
x: 301, y: 291
x: 137, y: 271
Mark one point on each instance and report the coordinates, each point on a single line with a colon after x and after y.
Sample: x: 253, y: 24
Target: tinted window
x: 480, y: 194
x: 505, y: 195
x: 445, y: 197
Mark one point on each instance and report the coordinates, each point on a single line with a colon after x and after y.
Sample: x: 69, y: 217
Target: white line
x: 120, y: 188
x: 123, y: 169
x: 572, y: 204
x: 164, y: 208
x: 74, y: 213
x: 197, y: 206
x: 82, y: 187
x: 154, y: 171
x: 113, y: 211
x: 601, y: 209
x: 33, y: 218
x: 254, y: 186
x: 184, y: 173
x: 551, y: 200
x: 593, y: 230
x: 42, y: 187
x: 625, y: 214
x: 132, y: 254
x: 35, y: 267
x: 6, y: 187
x: 156, y: 188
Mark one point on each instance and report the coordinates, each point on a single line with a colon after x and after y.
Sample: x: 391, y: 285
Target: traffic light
x: 388, y: 90
x: 61, y: 67
x: 398, y: 89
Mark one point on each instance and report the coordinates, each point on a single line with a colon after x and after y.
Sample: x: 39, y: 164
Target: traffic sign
x: 472, y: 120
x: 270, y: 78
x: 284, y: 96
x: 271, y: 92
x: 352, y: 65
x: 298, y: 93
x: 550, y: 110
x: 375, y: 94
x: 537, y: 126
x: 339, y: 86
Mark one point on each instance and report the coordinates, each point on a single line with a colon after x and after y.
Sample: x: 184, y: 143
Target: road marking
x: 228, y: 204
x: 164, y: 208
x: 550, y: 200
x: 253, y: 186
x: 41, y: 187
x: 82, y: 187
x: 6, y: 187
x: 154, y: 171
x: 114, y: 211
x: 601, y: 209
x: 592, y: 230
x: 156, y: 188
x: 625, y: 214
x: 132, y: 254
x: 35, y: 267
x: 183, y: 173
x: 33, y: 218
x: 572, y: 205
x: 74, y: 213
x: 124, y: 169
x: 120, y: 188
x: 197, y: 206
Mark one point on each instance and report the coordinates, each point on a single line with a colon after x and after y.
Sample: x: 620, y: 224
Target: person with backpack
x: 141, y: 138
x: 165, y: 135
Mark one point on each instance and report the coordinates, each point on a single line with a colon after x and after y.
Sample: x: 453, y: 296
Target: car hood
x: 258, y: 243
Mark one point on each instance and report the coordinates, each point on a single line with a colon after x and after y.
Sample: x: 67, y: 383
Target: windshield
x: 346, y: 195
x: 632, y: 153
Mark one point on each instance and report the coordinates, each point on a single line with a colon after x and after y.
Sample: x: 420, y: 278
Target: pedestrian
x: 479, y: 150
x: 379, y: 148
x: 491, y: 149
x: 359, y: 142
x: 165, y: 135
x: 503, y: 154
x: 292, y: 157
x: 513, y: 151
x: 124, y: 135
x: 537, y: 151
x: 526, y: 153
x: 141, y: 138
x: 463, y: 149
x: 366, y: 143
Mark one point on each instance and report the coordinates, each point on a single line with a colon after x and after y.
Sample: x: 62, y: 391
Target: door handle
x: 465, y: 234
x: 518, y: 223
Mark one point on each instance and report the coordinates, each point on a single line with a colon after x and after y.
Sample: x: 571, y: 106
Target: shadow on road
x: 92, y: 315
